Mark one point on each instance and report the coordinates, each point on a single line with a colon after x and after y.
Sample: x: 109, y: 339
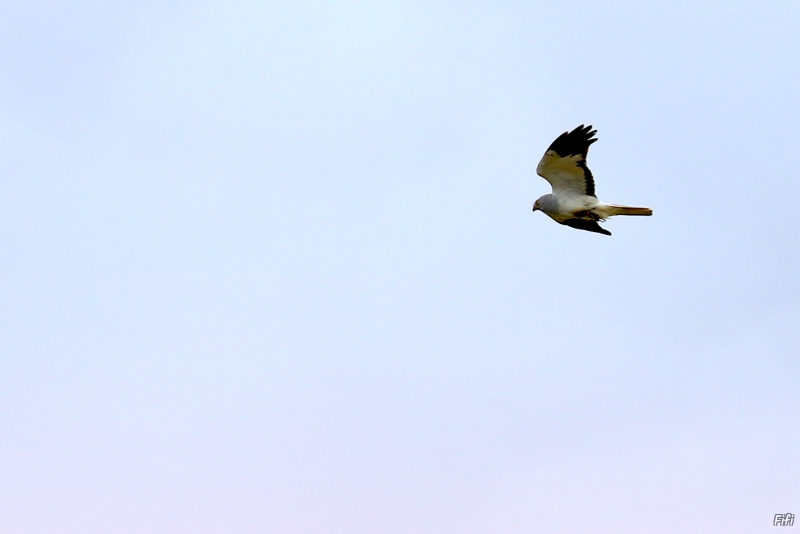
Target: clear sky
x: 271, y: 267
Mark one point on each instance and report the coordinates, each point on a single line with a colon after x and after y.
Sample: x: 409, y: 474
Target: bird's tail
x: 611, y: 209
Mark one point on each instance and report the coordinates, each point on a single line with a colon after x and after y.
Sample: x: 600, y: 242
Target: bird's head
x: 536, y: 206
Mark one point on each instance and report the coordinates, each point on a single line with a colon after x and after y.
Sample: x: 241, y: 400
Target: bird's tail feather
x: 611, y: 209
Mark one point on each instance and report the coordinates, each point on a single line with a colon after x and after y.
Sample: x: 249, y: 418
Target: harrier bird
x: 573, y: 201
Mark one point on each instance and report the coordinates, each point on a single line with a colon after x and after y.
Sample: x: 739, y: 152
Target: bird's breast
x: 563, y: 207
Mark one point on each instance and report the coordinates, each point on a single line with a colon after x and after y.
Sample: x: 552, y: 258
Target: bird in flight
x: 573, y: 201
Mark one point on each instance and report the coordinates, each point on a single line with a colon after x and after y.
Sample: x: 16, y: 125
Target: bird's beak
x: 535, y: 207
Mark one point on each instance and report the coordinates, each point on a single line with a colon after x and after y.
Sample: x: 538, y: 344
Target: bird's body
x: 573, y: 201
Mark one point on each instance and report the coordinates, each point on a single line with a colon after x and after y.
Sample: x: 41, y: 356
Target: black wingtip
x: 589, y: 226
x: 575, y: 142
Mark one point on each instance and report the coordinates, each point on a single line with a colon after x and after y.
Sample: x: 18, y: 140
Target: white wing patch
x: 568, y: 175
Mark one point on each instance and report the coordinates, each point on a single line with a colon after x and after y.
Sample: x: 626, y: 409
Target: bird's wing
x: 564, y: 163
x: 589, y: 226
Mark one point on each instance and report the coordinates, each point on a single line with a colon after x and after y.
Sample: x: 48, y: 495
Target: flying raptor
x: 573, y: 201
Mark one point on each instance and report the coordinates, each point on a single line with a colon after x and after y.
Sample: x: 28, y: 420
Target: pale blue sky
x: 271, y: 267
